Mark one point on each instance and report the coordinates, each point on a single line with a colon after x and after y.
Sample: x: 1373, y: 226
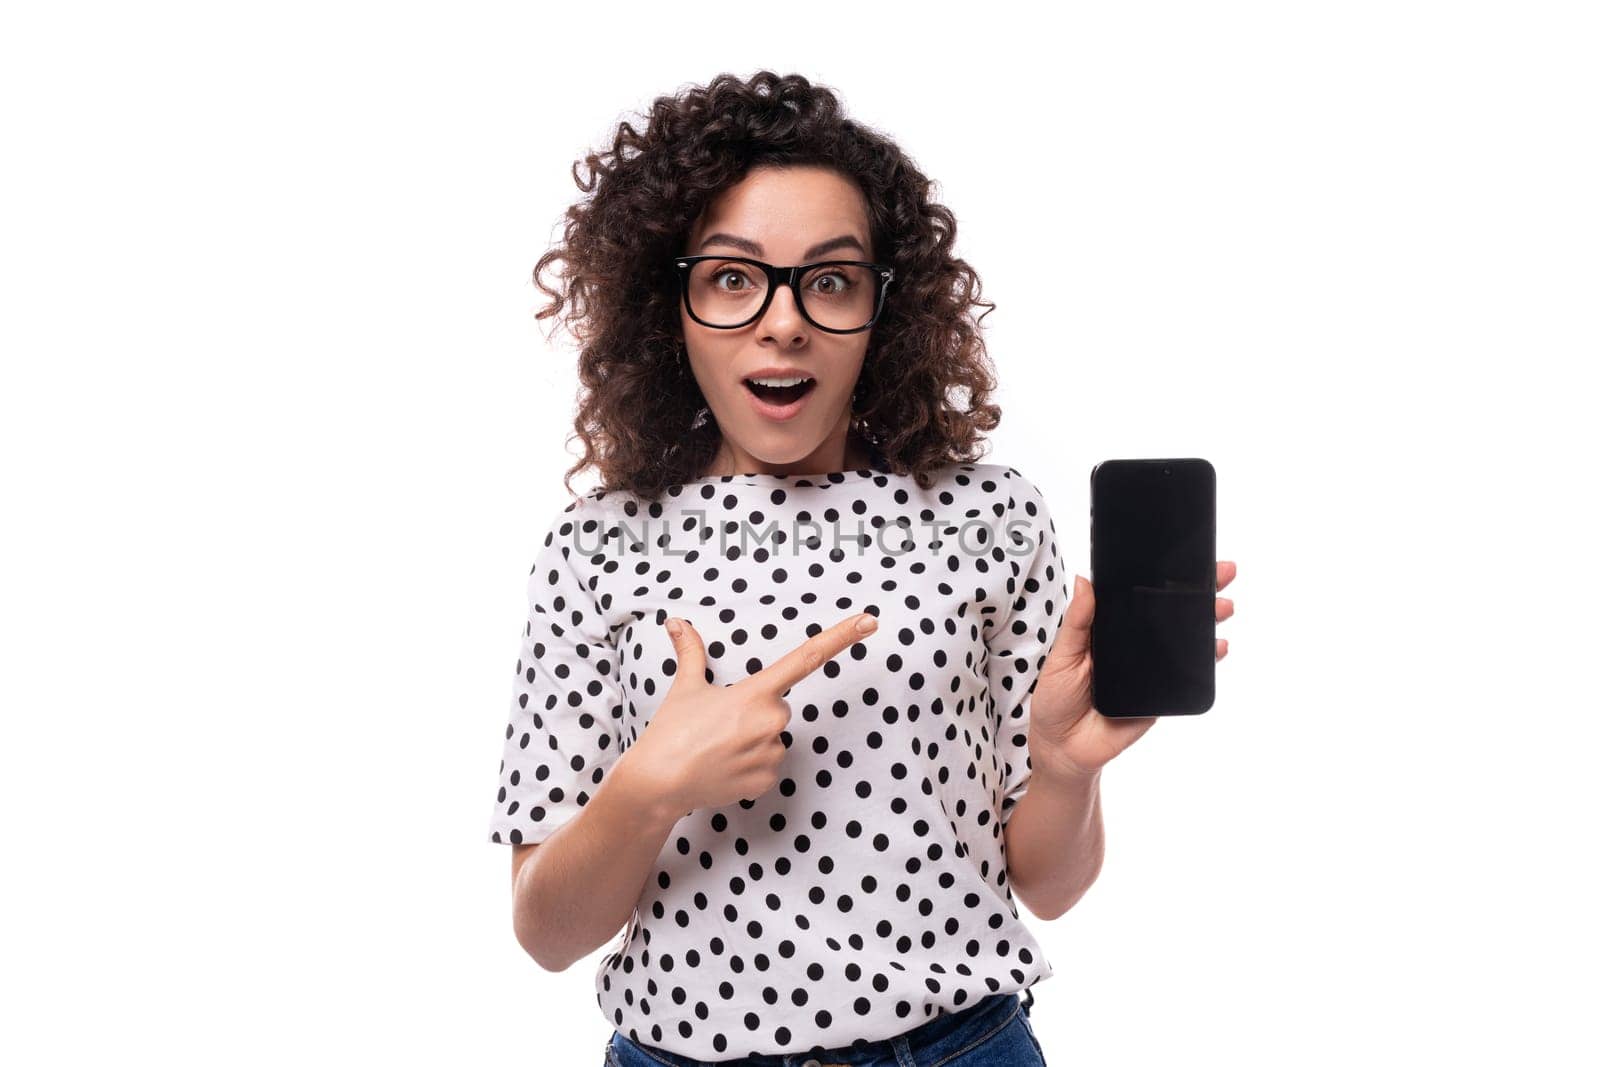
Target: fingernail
x: 867, y: 624
x: 674, y: 628
x: 1078, y: 583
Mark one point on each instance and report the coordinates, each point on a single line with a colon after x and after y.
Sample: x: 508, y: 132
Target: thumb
x: 1072, y: 642
x: 691, y: 653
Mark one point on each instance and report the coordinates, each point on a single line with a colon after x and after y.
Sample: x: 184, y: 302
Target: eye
x: 840, y: 282
x: 716, y: 279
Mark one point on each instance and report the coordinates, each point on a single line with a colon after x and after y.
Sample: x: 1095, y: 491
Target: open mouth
x: 780, y: 391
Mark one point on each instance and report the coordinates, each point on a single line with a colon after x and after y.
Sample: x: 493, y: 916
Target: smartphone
x: 1153, y: 565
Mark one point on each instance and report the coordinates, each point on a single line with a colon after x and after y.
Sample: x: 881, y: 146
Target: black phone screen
x: 1153, y: 540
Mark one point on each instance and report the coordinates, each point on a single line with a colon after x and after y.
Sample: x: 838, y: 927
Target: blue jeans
x: 993, y: 1032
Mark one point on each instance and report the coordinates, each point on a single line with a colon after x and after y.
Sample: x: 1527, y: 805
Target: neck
x: 848, y: 452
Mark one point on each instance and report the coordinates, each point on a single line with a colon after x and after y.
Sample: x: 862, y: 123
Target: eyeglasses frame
x: 780, y: 277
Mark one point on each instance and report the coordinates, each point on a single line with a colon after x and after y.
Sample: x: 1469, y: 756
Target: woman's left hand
x: 1065, y: 733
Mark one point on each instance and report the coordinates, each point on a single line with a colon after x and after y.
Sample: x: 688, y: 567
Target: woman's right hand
x: 709, y: 745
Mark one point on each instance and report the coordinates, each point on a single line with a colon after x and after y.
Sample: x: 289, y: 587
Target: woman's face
x: 784, y: 217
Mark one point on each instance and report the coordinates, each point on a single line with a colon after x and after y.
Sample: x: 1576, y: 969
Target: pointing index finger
x: 799, y: 662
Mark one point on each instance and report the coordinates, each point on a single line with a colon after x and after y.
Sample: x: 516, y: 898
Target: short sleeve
x: 1020, y: 643
x: 564, y: 731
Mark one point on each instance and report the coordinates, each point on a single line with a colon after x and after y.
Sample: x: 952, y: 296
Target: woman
x: 839, y: 627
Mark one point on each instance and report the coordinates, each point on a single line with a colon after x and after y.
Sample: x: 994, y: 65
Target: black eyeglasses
x: 836, y: 295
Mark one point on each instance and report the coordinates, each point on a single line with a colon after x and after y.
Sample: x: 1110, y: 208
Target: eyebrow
x: 744, y: 244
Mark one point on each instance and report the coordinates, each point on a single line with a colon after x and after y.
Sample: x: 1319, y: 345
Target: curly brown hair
x: 923, y: 394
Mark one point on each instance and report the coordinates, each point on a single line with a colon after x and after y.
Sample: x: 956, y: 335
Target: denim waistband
x: 941, y: 1036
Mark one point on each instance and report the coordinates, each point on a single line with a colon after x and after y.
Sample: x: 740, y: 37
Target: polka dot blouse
x: 866, y: 892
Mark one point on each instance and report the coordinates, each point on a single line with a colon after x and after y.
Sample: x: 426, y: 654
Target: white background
x: 281, y: 433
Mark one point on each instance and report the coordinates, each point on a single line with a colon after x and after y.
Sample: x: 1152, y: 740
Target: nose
x: 783, y: 319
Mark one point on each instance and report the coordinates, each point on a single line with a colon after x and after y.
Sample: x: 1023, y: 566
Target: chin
x: 783, y: 446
